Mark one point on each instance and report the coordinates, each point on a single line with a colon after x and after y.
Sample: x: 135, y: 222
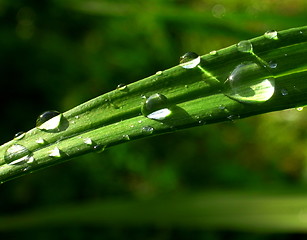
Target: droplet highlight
x: 17, y: 154
x: 271, y: 34
x: 251, y: 83
x: 189, y: 60
x: 49, y: 120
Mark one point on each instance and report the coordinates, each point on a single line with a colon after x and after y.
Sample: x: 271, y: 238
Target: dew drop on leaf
x: 19, y: 135
x: 147, y: 130
x: 284, y: 92
x: 189, y: 60
x: 245, y: 46
x: 250, y: 82
x: 121, y: 87
x: 56, y: 153
x: 88, y: 141
x: 271, y: 34
x: 49, y: 120
x: 17, y: 154
x: 40, y: 141
x: 156, y: 107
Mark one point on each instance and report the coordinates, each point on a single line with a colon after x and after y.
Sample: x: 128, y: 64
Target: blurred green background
x: 57, y: 54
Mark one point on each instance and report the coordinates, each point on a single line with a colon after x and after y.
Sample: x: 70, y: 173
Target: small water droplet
x: 300, y: 109
x: 159, y: 73
x: 99, y: 148
x: 286, y: 55
x: 284, y: 92
x: 40, y: 141
x: 49, y: 120
x: 56, y: 153
x: 212, y: 53
x: 272, y: 64
x: 31, y: 160
x: 126, y: 137
x: 245, y: 46
x: 147, y: 130
x: 77, y: 117
x: 17, y: 154
x: 121, y: 87
x: 271, y: 34
x: 189, y: 60
x: 88, y: 141
x: 19, y: 135
x: 250, y: 82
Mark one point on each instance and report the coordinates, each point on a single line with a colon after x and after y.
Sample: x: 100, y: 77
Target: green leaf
x: 256, y: 76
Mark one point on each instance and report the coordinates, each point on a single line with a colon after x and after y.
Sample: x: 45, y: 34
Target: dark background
x: 57, y: 54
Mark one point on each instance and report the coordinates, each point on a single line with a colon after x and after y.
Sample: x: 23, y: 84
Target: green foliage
x: 58, y: 54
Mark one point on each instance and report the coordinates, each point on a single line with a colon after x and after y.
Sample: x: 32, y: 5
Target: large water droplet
x: 156, y: 107
x: 49, y: 120
x: 250, y: 82
x: 189, y: 60
x: 245, y: 46
x: 271, y: 34
x: 17, y: 154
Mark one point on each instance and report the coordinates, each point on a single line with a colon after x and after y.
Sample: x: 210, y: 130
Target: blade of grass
x: 195, y: 97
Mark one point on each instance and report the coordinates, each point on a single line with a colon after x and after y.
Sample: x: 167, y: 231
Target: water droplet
x: 245, y: 46
x: 189, y: 60
x: 19, y: 135
x: 300, y: 109
x: 49, y: 120
x: 121, y: 87
x: 40, y: 141
x: 212, y: 53
x: 284, y: 92
x: 56, y: 153
x: 271, y: 34
x: 147, y: 130
x: 99, y: 148
x: 126, y: 137
x: 88, y: 141
x: 154, y: 104
x: 250, y: 82
x: 31, y: 160
x: 272, y: 64
x: 17, y: 154
x: 159, y: 73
